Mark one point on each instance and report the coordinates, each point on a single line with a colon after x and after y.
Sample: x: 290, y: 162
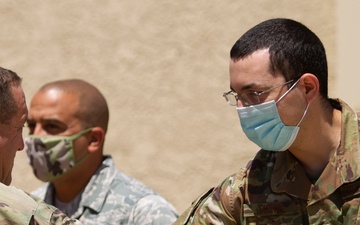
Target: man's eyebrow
x: 247, y: 87
x: 51, y: 120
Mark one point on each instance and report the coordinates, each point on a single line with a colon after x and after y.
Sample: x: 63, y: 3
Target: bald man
x: 67, y: 122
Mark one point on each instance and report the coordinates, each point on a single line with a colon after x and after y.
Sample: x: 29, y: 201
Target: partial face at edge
x: 11, y: 139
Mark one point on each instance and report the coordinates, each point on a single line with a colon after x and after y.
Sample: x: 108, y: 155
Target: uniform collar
x: 342, y: 168
x: 97, y: 189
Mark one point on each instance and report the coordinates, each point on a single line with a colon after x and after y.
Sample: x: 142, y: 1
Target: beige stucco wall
x: 163, y: 66
x: 347, y: 51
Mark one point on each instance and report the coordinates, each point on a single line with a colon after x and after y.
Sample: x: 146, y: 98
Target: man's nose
x: 39, y: 131
x: 21, y: 144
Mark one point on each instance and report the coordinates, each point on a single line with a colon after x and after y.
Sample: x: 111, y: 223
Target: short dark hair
x: 8, y: 106
x: 294, y: 49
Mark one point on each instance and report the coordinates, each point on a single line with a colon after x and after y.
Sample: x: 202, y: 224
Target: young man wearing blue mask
x: 307, y: 169
x: 68, y: 121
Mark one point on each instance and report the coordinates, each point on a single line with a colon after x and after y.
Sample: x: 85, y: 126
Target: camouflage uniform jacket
x: 112, y: 197
x: 19, y: 207
x: 274, y: 189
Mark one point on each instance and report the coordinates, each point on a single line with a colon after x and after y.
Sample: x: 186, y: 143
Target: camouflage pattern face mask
x: 52, y: 156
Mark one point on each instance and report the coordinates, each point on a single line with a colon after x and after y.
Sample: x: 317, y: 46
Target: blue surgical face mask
x: 262, y: 125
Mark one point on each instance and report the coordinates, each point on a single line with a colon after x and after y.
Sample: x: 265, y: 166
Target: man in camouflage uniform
x: 307, y: 169
x: 16, y: 206
x: 68, y: 121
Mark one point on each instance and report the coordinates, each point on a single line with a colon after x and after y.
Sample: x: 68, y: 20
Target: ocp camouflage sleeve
x: 57, y: 217
x: 218, y: 205
x: 18, y: 207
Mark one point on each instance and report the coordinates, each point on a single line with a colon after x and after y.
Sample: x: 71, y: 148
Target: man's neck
x: 320, y: 143
x: 71, y: 184
x: 66, y: 191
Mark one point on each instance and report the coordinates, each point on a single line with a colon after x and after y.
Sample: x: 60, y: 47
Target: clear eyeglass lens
x: 231, y: 98
x: 249, y: 98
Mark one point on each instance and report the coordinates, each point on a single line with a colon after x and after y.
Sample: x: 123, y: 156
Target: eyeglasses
x: 248, y: 98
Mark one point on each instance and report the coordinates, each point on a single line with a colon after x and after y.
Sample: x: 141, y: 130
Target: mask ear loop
x: 292, y: 87
x: 76, y: 136
x: 81, y: 133
x: 307, y: 107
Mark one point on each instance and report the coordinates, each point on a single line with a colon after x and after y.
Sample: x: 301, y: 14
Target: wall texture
x: 347, y: 48
x: 163, y: 66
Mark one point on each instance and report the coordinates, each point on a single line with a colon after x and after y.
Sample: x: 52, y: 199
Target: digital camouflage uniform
x: 112, y: 197
x: 273, y: 189
x: 18, y: 207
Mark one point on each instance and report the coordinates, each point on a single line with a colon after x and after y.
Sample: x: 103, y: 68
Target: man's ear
x: 96, y: 139
x: 311, y: 86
